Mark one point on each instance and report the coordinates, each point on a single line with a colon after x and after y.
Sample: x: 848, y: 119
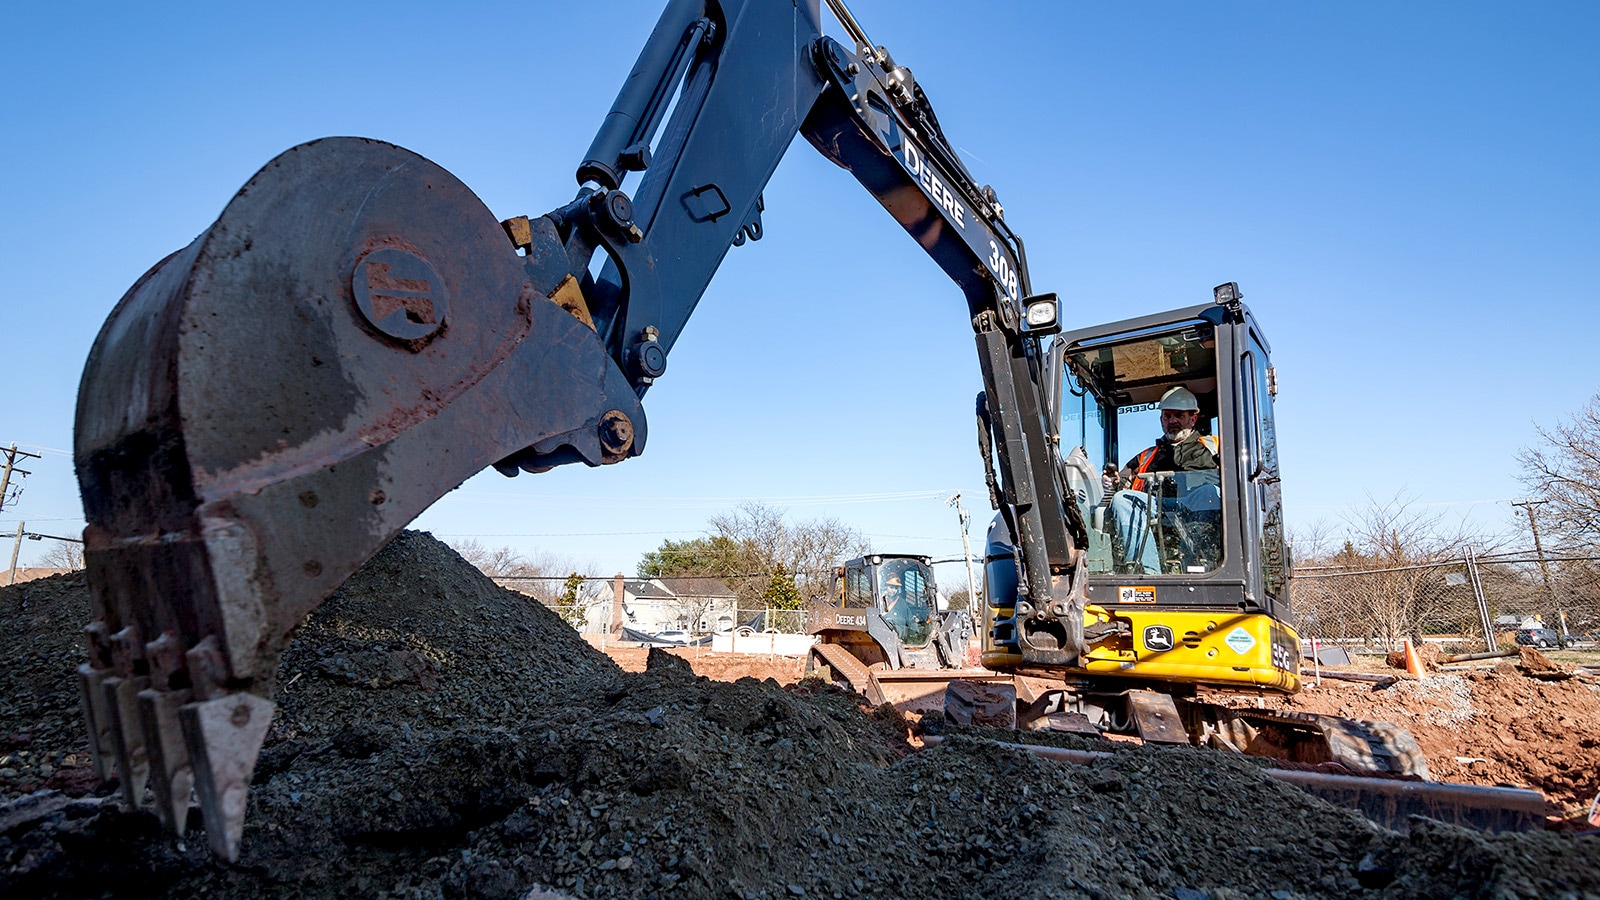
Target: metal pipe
x: 1469, y: 657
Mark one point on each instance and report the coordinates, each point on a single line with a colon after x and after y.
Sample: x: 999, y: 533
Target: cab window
x: 1155, y: 403
x: 906, y: 588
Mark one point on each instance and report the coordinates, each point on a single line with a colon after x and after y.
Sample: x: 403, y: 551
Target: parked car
x: 671, y: 637
x: 1541, y: 638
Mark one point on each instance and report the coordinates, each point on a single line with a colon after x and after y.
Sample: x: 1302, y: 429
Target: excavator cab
x: 1185, y: 562
x: 1193, y: 513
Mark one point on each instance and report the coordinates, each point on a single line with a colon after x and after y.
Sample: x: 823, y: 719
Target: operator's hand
x: 1110, y: 481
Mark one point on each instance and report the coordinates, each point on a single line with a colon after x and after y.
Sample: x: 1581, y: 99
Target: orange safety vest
x: 1148, y: 457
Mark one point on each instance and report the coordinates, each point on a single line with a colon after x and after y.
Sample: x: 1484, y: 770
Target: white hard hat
x: 1180, y: 398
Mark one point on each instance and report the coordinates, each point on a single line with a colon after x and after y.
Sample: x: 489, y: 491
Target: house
x: 698, y: 605
x: 708, y: 602
x: 33, y: 573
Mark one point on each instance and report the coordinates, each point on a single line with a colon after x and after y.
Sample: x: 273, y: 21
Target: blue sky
x: 1407, y: 194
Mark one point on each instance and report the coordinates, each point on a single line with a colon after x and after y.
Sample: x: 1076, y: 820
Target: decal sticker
x: 1136, y: 595
x: 1281, y: 658
x: 1240, y: 640
x: 1157, y: 637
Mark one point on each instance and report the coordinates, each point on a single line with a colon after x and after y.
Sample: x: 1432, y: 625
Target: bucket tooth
x: 171, y: 776
x: 127, y: 736
x: 96, y: 718
x: 224, y: 737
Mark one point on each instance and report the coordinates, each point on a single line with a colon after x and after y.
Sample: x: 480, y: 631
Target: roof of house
x: 696, y: 586
x: 646, y: 590
x: 32, y: 573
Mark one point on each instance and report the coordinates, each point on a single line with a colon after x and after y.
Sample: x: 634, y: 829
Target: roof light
x: 1041, y: 314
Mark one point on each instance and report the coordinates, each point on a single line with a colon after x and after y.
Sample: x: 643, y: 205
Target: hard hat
x: 1181, y: 399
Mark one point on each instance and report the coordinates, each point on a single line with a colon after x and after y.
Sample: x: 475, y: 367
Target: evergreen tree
x: 781, y: 592
x: 574, y: 612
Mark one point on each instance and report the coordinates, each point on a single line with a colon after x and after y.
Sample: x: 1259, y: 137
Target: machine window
x: 908, y: 600
x: 857, y: 588
x: 1155, y: 400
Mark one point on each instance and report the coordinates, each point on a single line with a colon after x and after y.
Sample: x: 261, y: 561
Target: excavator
x: 357, y: 334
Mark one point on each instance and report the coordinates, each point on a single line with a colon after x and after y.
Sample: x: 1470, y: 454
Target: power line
x: 50, y: 450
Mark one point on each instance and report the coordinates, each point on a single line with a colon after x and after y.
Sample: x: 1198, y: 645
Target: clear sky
x: 1407, y: 194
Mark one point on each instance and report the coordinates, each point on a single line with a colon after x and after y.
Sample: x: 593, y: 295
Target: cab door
x: 1263, y: 495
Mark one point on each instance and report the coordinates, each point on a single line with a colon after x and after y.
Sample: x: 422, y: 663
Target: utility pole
x: 12, y: 453
x: 16, y: 546
x: 1544, y: 567
x: 966, y: 552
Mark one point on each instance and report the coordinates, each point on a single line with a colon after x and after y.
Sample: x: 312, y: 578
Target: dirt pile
x: 41, y: 729
x: 441, y: 737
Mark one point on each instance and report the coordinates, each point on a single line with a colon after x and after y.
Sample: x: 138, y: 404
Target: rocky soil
x: 439, y: 736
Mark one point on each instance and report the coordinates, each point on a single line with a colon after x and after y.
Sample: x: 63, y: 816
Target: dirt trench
x: 439, y: 736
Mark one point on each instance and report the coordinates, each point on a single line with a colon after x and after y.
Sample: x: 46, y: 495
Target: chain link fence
x: 783, y: 621
x: 1458, y: 600
x: 590, y: 609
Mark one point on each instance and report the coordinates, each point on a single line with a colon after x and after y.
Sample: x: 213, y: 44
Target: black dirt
x: 438, y: 736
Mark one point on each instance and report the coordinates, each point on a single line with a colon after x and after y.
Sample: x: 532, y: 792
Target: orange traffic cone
x: 1414, y: 663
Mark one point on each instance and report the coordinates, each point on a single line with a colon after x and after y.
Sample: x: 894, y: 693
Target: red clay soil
x: 785, y: 670
x: 1523, y: 723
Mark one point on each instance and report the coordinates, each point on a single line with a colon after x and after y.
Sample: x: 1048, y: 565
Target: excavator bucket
x: 353, y: 337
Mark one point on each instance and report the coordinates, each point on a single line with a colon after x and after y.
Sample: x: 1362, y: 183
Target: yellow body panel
x: 1210, y: 646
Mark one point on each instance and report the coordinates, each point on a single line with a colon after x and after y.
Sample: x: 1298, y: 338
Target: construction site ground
x: 438, y: 736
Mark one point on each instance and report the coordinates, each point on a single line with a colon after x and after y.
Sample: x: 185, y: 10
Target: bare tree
x: 1564, y: 471
x: 959, y: 594
x: 1396, y: 554
x: 807, y: 551
x: 540, y: 575
x: 64, y: 555
x: 1312, y: 542
x: 815, y: 548
x: 747, y: 545
x: 491, y: 561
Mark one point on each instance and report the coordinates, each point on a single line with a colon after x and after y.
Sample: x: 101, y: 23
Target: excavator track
x: 1360, y: 746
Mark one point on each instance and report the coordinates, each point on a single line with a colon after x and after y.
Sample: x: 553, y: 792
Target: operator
x: 1189, y: 506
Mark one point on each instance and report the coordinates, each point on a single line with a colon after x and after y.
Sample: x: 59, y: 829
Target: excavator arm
x: 357, y: 334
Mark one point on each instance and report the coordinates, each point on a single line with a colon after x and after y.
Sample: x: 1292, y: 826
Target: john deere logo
x: 1157, y: 637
